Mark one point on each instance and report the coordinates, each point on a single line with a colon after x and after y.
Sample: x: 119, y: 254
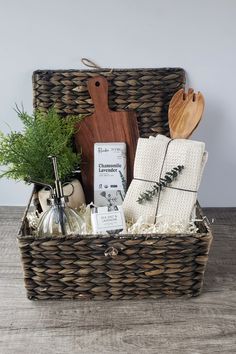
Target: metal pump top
x: 58, y: 195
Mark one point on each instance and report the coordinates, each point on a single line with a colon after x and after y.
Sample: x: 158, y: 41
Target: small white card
x: 108, y: 220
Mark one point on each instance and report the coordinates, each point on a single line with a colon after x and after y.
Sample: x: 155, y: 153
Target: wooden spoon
x: 185, y: 113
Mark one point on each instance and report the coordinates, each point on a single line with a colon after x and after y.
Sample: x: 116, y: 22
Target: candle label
x: 108, y: 219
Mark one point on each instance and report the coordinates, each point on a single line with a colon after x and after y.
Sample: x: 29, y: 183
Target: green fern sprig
x: 158, y: 186
x: 25, y: 154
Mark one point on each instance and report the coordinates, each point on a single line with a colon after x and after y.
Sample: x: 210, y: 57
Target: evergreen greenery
x: 158, y: 186
x: 25, y: 153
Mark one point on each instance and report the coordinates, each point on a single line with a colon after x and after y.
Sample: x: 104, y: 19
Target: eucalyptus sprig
x: 158, y: 186
x: 123, y: 181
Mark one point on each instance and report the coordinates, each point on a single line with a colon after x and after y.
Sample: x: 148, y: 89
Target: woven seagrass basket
x: 147, y: 91
x: 114, y: 266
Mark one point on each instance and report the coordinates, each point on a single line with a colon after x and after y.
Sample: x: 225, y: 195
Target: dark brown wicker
x: 148, y: 91
x: 114, y: 266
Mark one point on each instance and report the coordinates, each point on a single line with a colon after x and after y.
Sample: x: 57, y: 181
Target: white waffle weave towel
x: 154, y: 157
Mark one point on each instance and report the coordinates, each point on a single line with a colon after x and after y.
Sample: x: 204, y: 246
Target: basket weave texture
x: 147, y: 91
x: 114, y: 266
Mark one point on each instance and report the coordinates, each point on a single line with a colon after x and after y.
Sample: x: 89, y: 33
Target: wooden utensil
x: 104, y: 125
x: 185, y: 113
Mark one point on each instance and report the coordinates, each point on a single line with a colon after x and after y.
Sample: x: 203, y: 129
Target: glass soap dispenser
x: 59, y: 219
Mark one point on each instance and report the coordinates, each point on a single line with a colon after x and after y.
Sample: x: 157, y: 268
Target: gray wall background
x: 198, y: 36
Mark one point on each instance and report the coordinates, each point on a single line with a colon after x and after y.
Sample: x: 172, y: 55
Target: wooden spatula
x: 185, y: 113
x: 104, y: 125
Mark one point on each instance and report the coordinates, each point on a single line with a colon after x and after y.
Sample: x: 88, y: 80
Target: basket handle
x: 91, y: 64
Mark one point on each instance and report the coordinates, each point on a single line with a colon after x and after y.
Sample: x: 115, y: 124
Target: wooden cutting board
x: 105, y: 126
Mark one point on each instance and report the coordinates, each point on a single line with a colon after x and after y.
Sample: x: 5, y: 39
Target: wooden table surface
x: 201, y: 325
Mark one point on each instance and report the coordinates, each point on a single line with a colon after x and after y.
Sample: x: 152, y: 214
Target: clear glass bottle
x: 59, y: 220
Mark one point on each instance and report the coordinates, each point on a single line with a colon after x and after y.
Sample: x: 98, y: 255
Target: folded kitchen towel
x: 154, y: 157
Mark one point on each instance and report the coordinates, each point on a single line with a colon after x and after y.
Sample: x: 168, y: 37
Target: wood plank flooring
x: 202, y: 325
